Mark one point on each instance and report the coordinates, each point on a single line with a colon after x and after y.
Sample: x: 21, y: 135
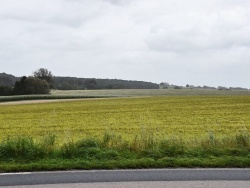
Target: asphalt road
x: 146, y: 184
x: 150, y: 175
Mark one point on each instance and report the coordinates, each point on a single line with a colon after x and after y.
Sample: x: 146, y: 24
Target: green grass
x: 23, y: 154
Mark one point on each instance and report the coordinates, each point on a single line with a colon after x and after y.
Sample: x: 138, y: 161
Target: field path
x: 46, y: 101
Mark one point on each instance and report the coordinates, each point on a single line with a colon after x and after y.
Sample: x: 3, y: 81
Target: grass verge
x: 111, y: 152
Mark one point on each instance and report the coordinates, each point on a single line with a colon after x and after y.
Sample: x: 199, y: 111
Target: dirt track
x: 43, y: 101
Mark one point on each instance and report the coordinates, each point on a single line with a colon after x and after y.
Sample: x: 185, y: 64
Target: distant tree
x: 109, y: 86
x: 36, y: 86
x: 83, y: 83
x: 91, y: 84
x: 20, y: 88
x: 187, y: 85
x: 45, y: 74
x: 177, y: 87
x: 66, y: 86
x: 119, y: 86
x: 5, y: 90
x: 31, y: 85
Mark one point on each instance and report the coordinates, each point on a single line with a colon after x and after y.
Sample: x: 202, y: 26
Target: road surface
x: 123, y: 177
x: 145, y: 184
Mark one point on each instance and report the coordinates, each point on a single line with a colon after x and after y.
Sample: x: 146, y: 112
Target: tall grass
x: 113, y: 147
x: 112, y: 152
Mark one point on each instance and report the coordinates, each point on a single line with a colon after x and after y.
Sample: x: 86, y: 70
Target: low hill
x: 74, y: 83
x: 7, y: 79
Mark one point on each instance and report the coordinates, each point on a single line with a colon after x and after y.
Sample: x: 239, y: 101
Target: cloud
x: 139, y: 39
x: 119, y: 2
x: 200, y: 31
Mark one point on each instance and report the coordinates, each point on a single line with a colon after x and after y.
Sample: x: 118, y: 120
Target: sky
x: 196, y: 42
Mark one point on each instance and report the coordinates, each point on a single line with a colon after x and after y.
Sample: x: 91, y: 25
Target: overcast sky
x: 199, y: 42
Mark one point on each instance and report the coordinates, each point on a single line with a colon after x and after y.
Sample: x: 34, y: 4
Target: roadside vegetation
x: 112, y: 152
x: 141, y: 132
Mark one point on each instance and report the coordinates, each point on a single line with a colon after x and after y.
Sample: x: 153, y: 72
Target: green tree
x: 91, y: 84
x: 45, y: 74
x: 20, y: 88
x: 36, y: 86
x: 31, y: 85
x: 5, y: 90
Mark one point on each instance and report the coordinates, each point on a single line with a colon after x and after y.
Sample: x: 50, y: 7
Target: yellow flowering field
x: 185, y: 117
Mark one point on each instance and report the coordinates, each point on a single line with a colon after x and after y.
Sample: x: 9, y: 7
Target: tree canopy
x: 31, y: 85
x: 39, y: 83
x: 44, y: 74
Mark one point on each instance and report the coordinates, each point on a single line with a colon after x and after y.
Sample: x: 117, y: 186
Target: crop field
x: 184, y: 117
x: 149, y: 92
x: 130, y: 132
x: 74, y: 94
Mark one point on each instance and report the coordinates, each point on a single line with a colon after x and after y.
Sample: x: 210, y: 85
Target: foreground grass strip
x: 70, y: 164
x: 23, y: 154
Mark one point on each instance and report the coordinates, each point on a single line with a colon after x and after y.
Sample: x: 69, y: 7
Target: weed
x: 243, y: 139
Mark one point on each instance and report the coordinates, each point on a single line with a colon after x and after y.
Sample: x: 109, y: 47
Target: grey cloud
x: 119, y: 2
x: 215, y: 31
x: 163, y: 40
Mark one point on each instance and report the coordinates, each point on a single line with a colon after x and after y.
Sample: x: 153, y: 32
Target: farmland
x: 73, y: 94
x: 138, y: 124
x: 186, y: 117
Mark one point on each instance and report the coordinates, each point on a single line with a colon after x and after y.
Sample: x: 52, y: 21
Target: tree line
x: 39, y: 83
x: 42, y: 81
x: 73, y: 83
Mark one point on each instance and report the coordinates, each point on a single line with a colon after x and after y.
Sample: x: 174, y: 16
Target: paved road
x: 95, y: 176
x: 146, y: 184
